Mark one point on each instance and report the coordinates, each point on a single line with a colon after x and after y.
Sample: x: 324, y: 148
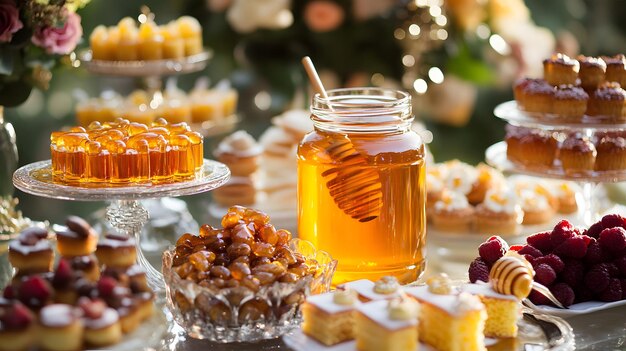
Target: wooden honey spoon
x: 355, y: 188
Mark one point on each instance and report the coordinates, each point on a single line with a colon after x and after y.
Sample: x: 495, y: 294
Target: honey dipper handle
x: 547, y: 293
x: 318, y: 87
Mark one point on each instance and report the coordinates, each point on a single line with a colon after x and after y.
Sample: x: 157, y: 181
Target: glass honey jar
x: 361, y: 184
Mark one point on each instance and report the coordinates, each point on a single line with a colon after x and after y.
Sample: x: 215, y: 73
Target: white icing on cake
x: 345, y: 297
x: 533, y: 201
x: 108, y: 318
x: 365, y: 288
x: 403, y: 309
x: 467, y: 303
x: 104, y: 241
x: 298, y: 121
x: 240, y: 143
x: 485, y: 289
x: 461, y: 177
x: 502, y: 200
x: 378, y: 312
x: 448, y: 303
x: 58, y: 315
x: 386, y: 285
x: 452, y: 201
x: 40, y: 245
x: 326, y: 303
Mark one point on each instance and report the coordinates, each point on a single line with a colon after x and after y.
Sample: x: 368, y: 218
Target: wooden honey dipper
x: 513, y: 275
x: 355, y: 188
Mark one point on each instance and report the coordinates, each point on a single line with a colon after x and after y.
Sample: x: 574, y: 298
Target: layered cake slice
x: 503, y: 311
x: 450, y: 322
x: 329, y: 317
x: 387, y: 325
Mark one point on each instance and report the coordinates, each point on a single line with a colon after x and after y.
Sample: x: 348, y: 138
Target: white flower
x: 246, y: 16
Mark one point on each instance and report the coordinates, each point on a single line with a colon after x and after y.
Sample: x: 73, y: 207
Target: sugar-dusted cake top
x: 365, y: 288
x: 240, y: 143
x: 328, y: 303
x: 454, y: 304
x: 485, y: 289
x: 379, y: 312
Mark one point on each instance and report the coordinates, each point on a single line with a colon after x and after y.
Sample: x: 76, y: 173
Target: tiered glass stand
x: 125, y: 212
x: 496, y: 155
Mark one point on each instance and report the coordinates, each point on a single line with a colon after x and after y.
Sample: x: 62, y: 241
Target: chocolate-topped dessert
x: 560, y: 69
x: 79, y: 239
x: 31, y: 252
x: 116, y: 250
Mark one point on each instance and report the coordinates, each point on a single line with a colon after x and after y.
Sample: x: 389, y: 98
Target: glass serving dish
x: 240, y: 314
x: 512, y: 113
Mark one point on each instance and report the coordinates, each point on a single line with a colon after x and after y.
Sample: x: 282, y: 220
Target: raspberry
x: 573, y: 272
x: 611, y: 268
x: 613, y: 239
x: 92, y: 309
x: 492, y: 249
x: 63, y: 275
x: 594, y: 253
x: 623, y: 282
x: 106, y: 286
x: 516, y: 248
x: 538, y: 299
x: 562, y: 231
x: 574, y: 247
x: 478, y: 270
x: 544, y: 274
x: 529, y: 250
x: 613, y: 292
x: 540, y: 241
x: 597, y: 279
x: 564, y: 293
x: 17, y: 317
x: 530, y: 259
x: 620, y: 263
x: 613, y: 220
x: 9, y: 292
x: 553, y: 261
x: 595, y: 229
x: 583, y: 294
x: 35, y: 292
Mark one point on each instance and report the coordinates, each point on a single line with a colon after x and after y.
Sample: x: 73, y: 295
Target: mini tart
x: 60, y: 328
x: 87, y: 265
x: 567, y: 198
x: 240, y: 152
x: 499, y: 213
x: 577, y: 155
x: 103, y: 331
x: 434, y: 187
x: 31, y: 257
x: 460, y: 177
x: 453, y: 213
x: 559, y: 69
x: 608, y: 101
x: 488, y: 178
x: 538, y: 149
x: 616, y: 69
x: 16, y: 337
x: 116, y: 250
x: 71, y: 243
x: 538, y: 96
x: 591, y: 73
x: 570, y: 102
x: 611, y: 154
x: 536, y: 206
x: 237, y: 191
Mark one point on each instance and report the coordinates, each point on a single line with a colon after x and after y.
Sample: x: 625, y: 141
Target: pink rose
x: 9, y: 20
x: 60, y: 40
x: 323, y: 15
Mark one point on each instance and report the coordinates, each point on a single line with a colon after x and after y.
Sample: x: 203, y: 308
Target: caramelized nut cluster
x: 248, y: 251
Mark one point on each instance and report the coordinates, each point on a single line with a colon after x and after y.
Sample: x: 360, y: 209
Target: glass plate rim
x: 212, y: 175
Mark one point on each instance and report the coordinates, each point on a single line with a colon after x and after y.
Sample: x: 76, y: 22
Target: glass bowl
x: 240, y: 314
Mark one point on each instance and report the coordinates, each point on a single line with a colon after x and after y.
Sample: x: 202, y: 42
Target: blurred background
x: 458, y: 58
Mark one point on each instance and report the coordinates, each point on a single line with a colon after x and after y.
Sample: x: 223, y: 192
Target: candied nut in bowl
x: 232, y: 306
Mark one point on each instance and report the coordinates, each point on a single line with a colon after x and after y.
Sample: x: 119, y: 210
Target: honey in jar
x: 361, y: 184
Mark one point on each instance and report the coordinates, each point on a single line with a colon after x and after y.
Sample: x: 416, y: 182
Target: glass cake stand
x: 125, y: 212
